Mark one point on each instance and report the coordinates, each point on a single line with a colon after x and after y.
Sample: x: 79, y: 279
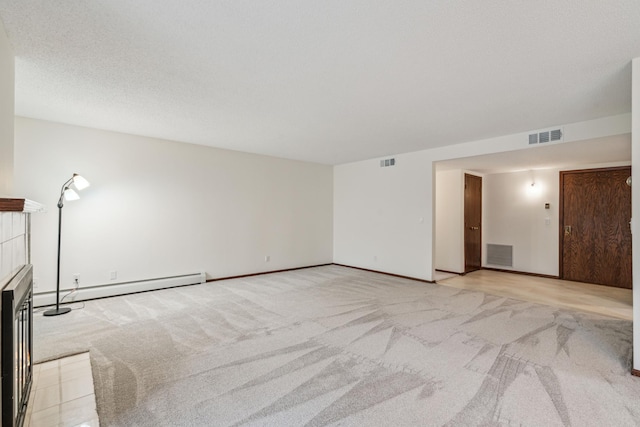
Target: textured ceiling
x: 325, y: 81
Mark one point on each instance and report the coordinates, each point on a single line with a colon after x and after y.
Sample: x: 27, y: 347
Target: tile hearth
x: 62, y: 394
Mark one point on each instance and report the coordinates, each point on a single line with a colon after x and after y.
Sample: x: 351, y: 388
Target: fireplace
x: 16, y: 308
x: 17, y: 345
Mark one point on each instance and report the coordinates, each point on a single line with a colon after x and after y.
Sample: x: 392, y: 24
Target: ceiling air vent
x: 387, y: 162
x: 556, y: 135
x: 544, y: 137
x: 541, y: 137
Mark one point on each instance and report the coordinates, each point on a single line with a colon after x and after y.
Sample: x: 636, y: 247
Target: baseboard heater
x: 114, y: 289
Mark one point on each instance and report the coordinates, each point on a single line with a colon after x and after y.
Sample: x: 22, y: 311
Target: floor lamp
x: 66, y: 193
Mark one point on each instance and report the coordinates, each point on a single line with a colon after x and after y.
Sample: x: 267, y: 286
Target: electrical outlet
x: 36, y: 282
x: 267, y: 258
x: 113, y: 275
x: 76, y: 277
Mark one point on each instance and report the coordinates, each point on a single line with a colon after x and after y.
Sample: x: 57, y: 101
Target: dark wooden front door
x: 472, y: 223
x: 595, y: 237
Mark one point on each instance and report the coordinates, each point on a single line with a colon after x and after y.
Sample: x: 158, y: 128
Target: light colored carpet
x: 338, y: 346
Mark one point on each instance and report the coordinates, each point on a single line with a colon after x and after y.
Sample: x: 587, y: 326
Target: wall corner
x: 635, y: 203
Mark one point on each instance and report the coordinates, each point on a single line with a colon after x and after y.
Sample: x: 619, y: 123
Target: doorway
x: 472, y: 223
x: 595, y: 236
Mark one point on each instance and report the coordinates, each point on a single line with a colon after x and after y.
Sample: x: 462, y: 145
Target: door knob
x: 474, y: 228
x: 567, y: 230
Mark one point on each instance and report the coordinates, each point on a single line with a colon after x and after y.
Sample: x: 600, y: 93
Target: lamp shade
x: 79, y: 182
x: 69, y: 195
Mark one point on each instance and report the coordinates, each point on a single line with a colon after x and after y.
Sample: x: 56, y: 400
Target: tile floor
x: 62, y: 394
x: 443, y: 275
x: 605, y: 300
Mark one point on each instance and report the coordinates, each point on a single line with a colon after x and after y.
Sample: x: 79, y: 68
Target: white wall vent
x: 544, y: 137
x: 387, y: 162
x: 556, y: 135
x: 541, y: 137
x: 500, y: 255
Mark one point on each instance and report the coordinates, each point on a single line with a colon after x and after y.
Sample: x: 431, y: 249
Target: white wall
x: 449, y: 219
x: 514, y: 214
x: 7, y: 79
x: 635, y: 206
x: 157, y: 208
x: 382, y: 216
x: 377, y: 210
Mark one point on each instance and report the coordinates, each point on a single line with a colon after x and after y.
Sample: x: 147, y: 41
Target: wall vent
x: 541, y: 137
x: 387, y: 162
x: 556, y: 135
x: 500, y: 255
x: 544, y: 137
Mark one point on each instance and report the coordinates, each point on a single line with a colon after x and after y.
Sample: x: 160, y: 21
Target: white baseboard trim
x: 113, y: 289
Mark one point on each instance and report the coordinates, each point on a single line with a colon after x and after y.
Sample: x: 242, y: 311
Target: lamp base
x: 56, y: 311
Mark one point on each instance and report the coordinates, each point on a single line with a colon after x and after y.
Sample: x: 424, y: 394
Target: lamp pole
x: 80, y: 183
x: 57, y: 311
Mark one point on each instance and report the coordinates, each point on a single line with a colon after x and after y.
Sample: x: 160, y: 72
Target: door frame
x: 464, y: 231
x: 561, y: 211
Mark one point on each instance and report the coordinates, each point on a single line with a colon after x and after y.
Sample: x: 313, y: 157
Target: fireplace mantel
x: 20, y: 205
x: 15, y: 234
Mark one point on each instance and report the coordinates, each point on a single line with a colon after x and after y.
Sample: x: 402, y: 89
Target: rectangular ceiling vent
x: 544, y: 137
x: 501, y: 255
x: 541, y: 137
x: 387, y: 162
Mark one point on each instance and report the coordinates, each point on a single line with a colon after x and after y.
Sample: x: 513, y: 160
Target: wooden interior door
x: 472, y: 223
x: 595, y: 236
